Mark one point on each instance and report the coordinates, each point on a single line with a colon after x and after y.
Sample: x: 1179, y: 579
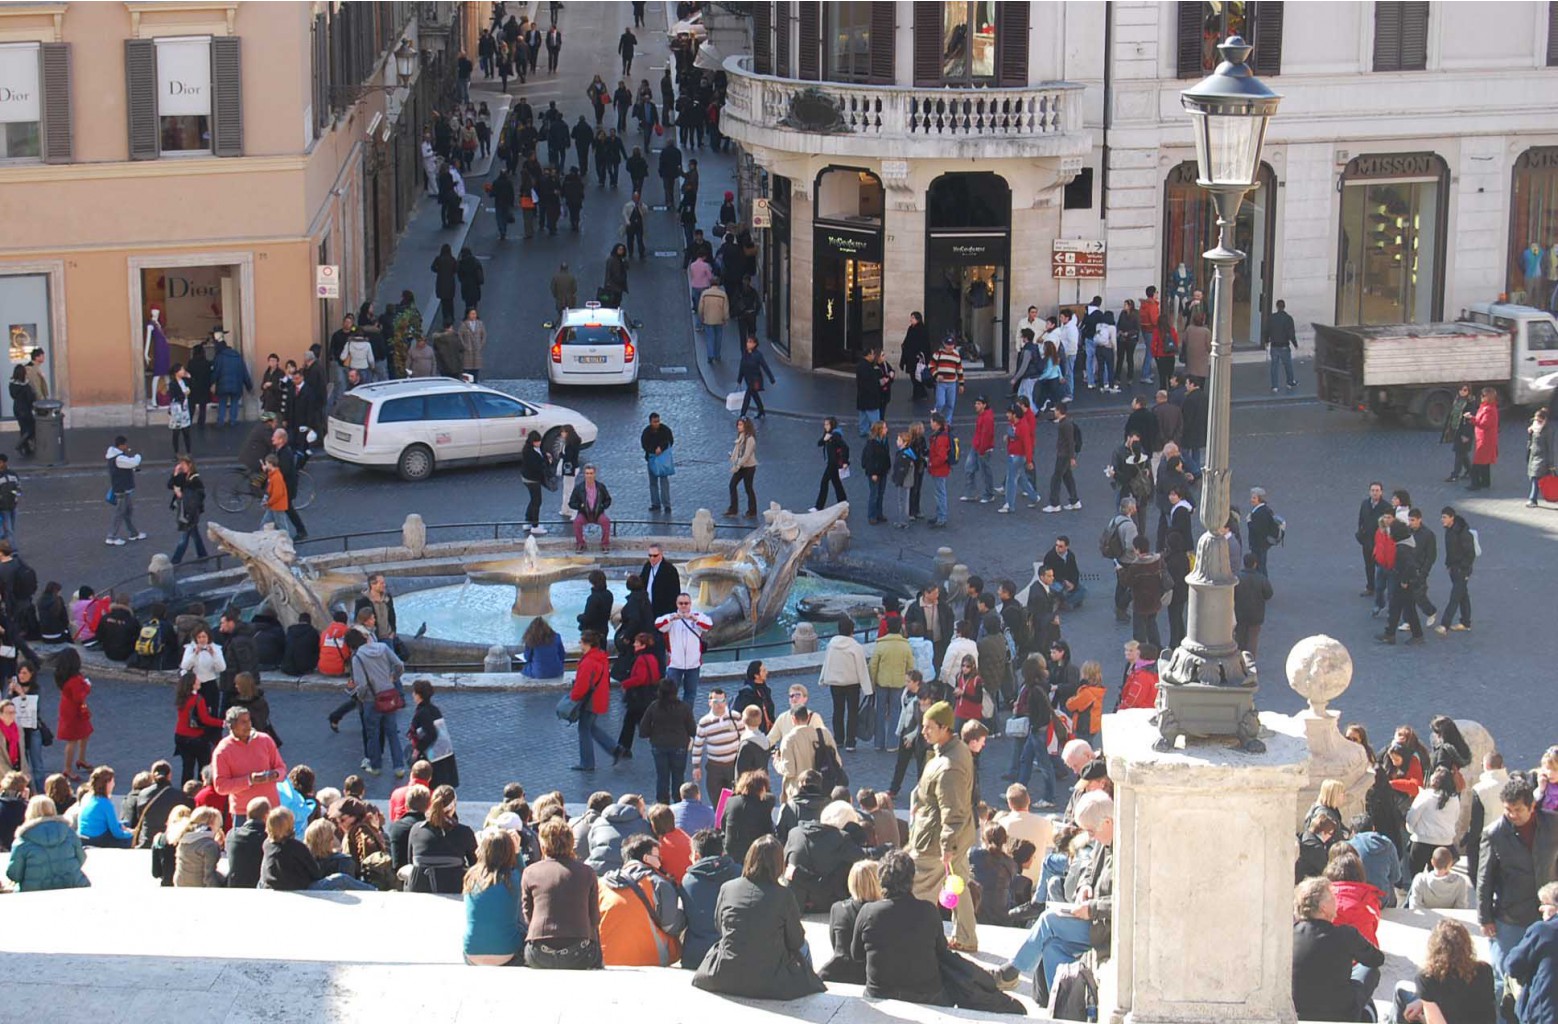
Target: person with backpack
x: 642, y: 909
x: 1266, y: 529
x: 807, y: 746
x: 332, y: 653
x: 375, y: 668
x: 1068, y: 445
x: 189, y: 504
x: 1115, y: 543
x: 156, y: 645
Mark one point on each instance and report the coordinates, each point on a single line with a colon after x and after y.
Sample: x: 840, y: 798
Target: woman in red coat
x: 592, y: 685
x: 75, y: 720
x: 1484, y: 452
x: 638, y: 691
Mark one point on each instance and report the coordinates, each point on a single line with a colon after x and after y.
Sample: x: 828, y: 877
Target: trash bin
x: 50, y: 413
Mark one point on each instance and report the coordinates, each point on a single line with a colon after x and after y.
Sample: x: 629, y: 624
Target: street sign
x: 327, y: 282
x: 762, y: 216
x: 1078, y: 258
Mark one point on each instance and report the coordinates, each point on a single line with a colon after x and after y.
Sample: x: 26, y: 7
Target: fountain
x: 531, y: 576
x: 289, y: 587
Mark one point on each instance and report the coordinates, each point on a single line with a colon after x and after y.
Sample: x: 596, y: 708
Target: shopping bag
x: 662, y: 464
x: 733, y: 401
x: 719, y: 808
x: 1548, y: 485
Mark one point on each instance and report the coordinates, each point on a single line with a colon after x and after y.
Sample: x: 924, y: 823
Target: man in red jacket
x: 939, y: 466
x: 592, y: 680
x: 980, y: 450
x: 1150, y: 311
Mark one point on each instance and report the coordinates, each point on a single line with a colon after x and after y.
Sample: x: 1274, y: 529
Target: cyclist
x: 257, y: 445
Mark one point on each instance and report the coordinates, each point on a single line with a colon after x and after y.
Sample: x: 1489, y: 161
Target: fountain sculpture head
x: 531, y: 575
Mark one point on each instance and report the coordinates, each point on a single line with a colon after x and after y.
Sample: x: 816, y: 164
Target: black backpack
x: 25, y: 583
x: 826, y: 763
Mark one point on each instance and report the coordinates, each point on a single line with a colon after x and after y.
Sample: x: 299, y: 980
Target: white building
x: 1412, y: 165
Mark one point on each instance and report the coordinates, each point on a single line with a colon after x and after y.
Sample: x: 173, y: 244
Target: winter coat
x: 1485, y: 451
x: 758, y: 955
x: 446, y: 271
x: 1357, y: 904
x: 196, y: 860
x: 1250, y: 597
x: 714, y: 306
x: 819, y: 858
x: 439, y: 856
x: 47, y: 854
x: 288, y: 866
x: 1460, y: 548
x: 629, y: 936
x: 245, y: 854
x: 473, y: 338
x: 943, y: 824
x: 1534, y: 963
x: 1509, y: 875
x: 668, y: 724
x: 840, y: 968
x: 229, y: 373
x: 899, y: 940
x: 702, y: 884
x: 1540, y: 457
x: 1197, y: 351
x: 616, y: 824
x: 593, y: 679
x: 747, y: 819
x: 753, y: 368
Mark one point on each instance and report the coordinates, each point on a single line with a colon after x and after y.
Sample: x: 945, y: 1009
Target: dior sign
x: 184, y: 77
x: 19, y: 83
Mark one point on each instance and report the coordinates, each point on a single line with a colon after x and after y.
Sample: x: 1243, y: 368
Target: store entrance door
x: 847, y: 318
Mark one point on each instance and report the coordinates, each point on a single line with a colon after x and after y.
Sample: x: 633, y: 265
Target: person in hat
x: 942, y: 827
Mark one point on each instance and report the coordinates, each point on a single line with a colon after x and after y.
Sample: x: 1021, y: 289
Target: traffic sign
x: 327, y: 282
x: 762, y: 216
x: 1078, y: 258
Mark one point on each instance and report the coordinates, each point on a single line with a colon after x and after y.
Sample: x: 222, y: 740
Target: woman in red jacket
x: 970, y: 689
x: 75, y: 718
x: 638, y: 691
x: 1484, y: 451
x: 1384, y: 563
x: 189, y: 727
x: 592, y: 680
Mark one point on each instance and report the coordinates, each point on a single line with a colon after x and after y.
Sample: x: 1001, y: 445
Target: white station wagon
x: 593, y: 345
x: 416, y: 426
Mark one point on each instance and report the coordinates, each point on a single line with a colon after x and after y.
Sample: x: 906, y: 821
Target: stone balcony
x: 902, y: 122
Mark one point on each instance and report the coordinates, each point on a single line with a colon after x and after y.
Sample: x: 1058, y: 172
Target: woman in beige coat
x: 198, y: 851
x: 743, y: 466
x: 473, y: 338
x: 1197, y: 345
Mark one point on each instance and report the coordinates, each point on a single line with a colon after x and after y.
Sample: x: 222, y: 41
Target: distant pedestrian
x: 1249, y: 606
x: 1067, y: 444
x: 1265, y: 529
x: 914, y: 358
x: 683, y: 630
x: 751, y: 372
x: 534, y: 470
x: 876, y: 461
x: 1281, y: 339
x: 1369, y: 512
x: 835, y: 463
x: 626, y: 44
x: 554, y: 48
x: 1460, y: 554
x: 939, y: 465
x: 1485, y: 448
x: 10, y: 492
x: 743, y: 466
x: 634, y: 212
x: 473, y: 338
x: 22, y: 399
x: 657, y: 441
x: 1541, y: 452
x: 946, y: 366
x: 446, y: 278
x: 189, y: 503
x: 123, y: 463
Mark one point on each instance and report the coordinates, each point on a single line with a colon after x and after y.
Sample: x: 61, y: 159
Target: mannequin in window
x: 1531, y: 264
x: 979, y: 327
x: 156, y: 354
x: 1181, y: 284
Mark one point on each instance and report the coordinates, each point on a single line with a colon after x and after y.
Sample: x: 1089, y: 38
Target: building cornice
x: 168, y: 167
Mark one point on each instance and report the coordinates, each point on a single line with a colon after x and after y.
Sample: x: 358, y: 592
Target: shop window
x: 1391, y: 261
x: 1401, y: 36
x: 1190, y: 229
x: 1203, y: 25
x: 1079, y: 191
x: 24, y: 298
x: 849, y: 196
x: 1533, y: 229
x: 192, y: 304
x: 967, y: 264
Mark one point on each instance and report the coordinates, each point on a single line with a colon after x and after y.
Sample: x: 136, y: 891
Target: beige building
x: 201, y: 159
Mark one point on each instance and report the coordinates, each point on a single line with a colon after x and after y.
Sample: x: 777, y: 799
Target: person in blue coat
x: 544, y: 652
x: 230, y: 377
x: 710, y: 869
x: 1534, y: 962
x: 47, y: 853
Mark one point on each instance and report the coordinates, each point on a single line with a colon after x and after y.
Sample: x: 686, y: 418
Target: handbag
x: 388, y: 700
x: 569, y: 710
x: 46, y: 734
x: 1017, y: 728
x: 111, y: 497
x: 844, y: 471
x: 865, y: 726
x: 662, y: 463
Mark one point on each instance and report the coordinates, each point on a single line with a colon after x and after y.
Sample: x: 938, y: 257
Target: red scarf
x: 12, y: 734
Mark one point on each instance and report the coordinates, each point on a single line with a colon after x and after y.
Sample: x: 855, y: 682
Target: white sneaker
x: 1403, y: 628
x: 812, y: 509
x: 366, y: 764
x: 1050, y: 508
x: 1072, y: 507
x: 117, y: 542
x: 375, y: 772
x: 1001, y: 489
x: 984, y: 501
x: 1034, y: 503
x: 539, y: 531
x: 966, y: 497
x: 1004, y: 509
x: 139, y: 536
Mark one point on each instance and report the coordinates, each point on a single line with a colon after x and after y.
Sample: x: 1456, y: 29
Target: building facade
x: 200, y: 159
x: 1412, y: 168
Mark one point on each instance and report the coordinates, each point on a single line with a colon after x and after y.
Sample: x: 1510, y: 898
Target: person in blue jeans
x: 1033, y: 703
x: 1281, y: 338
x: 669, y: 725
x: 374, y: 666
x: 876, y: 462
x: 1063, y: 934
x: 1019, y: 462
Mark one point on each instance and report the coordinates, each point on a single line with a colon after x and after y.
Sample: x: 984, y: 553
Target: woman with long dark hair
x: 22, y: 399
x: 544, y: 652
x: 1449, y: 748
x: 191, y: 720
x: 669, y: 726
x: 75, y: 718
x: 1433, y: 819
x: 759, y: 951
x: 743, y: 466
x: 638, y: 692
x: 430, y: 736
x: 533, y: 471
x: 441, y: 847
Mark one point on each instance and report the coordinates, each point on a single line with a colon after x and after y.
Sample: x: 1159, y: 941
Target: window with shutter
x: 783, y: 66
x: 21, y: 102
x: 1011, y: 35
x: 1191, y: 35
x: 1266, y: 25
x: 140, y: 81
x: 883, y: 29
x: 927, y: 43
x: 59, y: 141
x: 1401, y: 36
x: 809, y: 40
x: 762, y: 39
x: 1552, y: 34
x: 226, y: 97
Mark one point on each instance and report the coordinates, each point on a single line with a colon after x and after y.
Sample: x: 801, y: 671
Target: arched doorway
x: 968, y: 224
x: 1190, y: 229
x: 847, y: 253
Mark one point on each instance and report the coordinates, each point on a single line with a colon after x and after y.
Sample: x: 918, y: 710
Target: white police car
x: 593, y: 345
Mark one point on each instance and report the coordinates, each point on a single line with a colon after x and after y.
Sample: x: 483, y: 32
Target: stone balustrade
x: 900, y: 121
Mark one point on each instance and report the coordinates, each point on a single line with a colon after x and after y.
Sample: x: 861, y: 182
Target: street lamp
x: 406, y: 58
x: 1209, y: 686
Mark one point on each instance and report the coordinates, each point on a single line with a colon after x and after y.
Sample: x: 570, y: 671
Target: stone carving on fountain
x: 531, y: 575
x: 744, y: 590
x: 288, y: 586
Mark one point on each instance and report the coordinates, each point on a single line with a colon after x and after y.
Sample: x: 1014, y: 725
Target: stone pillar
x: 1319, y: 669
x: 945, y: 560
x: 497, y: 660
x: 803, y: 639
x: 413, y: 535
x: 159, y: 573
x: 1203, y: 886
x: 703, y: 530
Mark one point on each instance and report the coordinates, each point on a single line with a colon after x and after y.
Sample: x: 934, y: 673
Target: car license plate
x: 341, y: 435
x: 592, y: 359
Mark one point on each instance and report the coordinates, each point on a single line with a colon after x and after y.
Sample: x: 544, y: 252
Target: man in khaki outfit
x: 941, y: 829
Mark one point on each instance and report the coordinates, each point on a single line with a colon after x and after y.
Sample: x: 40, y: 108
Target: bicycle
x: 240, y: 489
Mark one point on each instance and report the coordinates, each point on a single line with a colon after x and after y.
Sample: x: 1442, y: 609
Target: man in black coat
x: 1323, y: 954
x: 1519, y: 856
x: 1427, y: 554
x: 301, y: 653
x: 240, y: 653
x: 670, y: 169
x: 246, y: 847
x: 661, y: 580
x: 868, y: 391
x: 1144, y: 425
x: 1406, y: 581
x: 157, y: 804
x: 1193, y: 416
x: 287, y: 459
x: 1249, y: 606
x: 1369, y: 512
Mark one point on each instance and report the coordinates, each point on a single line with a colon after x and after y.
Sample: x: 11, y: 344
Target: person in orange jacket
x: 276, y: 501
x: 1088, y: 703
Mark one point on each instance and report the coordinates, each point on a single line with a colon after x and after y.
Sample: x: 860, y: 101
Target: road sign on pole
x: 327, y: 282
x: 1078, y: 258
x: 762, y: 216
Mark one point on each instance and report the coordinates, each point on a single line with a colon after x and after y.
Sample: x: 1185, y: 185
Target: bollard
x: 703, y: 530
x: 803, y: 640
x: 497, y: 660
x: 413, y: 535
x: 944, y: 562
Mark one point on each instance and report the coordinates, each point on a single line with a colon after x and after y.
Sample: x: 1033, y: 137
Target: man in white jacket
x: 847, y: 676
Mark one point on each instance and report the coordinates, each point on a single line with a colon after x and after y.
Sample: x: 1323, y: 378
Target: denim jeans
x: 1017, y: 476
x: 1282, y: 355
x: 1034, y: 751
x: 864, y: 418
x: 1192, y: 458
x: 227, y: 409
x: 33, y: 740
x: 659, y: 491
x: 278, y: 520
x: 1090, y: 350
x: 889, y: 702
x: 1384, y: 581
x: 1106, y: 364
x: 946, y: 398
x: 8, y: 524
x: 339, y: 882
x: 938, y: 486
x: 1054, y: 939
x: 713, y: 334
x: 688, y: 677
x: 191, y: 534
x: 1505, y: 939
x: 378, y: 729
x: 1069, y: 599
x: 670, y: 768
x: 589, y: 729
x: 876, y: 485
x: 979, y: 465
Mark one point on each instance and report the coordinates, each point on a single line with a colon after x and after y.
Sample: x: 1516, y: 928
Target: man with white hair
x: 1066, y: 931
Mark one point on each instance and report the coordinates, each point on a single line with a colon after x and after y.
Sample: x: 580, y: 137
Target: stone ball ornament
x: 1319, y: 669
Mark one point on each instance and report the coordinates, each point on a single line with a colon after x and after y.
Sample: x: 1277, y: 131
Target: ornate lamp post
x: 1209, y: 685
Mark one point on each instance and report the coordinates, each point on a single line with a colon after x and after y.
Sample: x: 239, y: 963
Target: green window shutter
x: 140, y: 80
x: 226, y: 97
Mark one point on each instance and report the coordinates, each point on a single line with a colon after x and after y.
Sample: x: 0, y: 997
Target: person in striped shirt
x: 946, y: 367
x: 717, y: 740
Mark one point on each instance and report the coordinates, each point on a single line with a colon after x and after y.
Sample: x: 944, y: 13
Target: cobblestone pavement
x: 1315, y: 464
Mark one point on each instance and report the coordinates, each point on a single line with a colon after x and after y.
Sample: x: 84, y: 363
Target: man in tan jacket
x: 941, y: 821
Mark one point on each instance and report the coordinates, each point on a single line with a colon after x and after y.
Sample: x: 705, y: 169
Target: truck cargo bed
x: 1349, y: 361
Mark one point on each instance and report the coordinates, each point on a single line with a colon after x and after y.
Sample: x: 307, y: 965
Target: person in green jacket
x: 891, y: 661
x: 47, y: 853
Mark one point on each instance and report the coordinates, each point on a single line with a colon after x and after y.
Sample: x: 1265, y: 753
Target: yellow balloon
x: 956, y: 884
